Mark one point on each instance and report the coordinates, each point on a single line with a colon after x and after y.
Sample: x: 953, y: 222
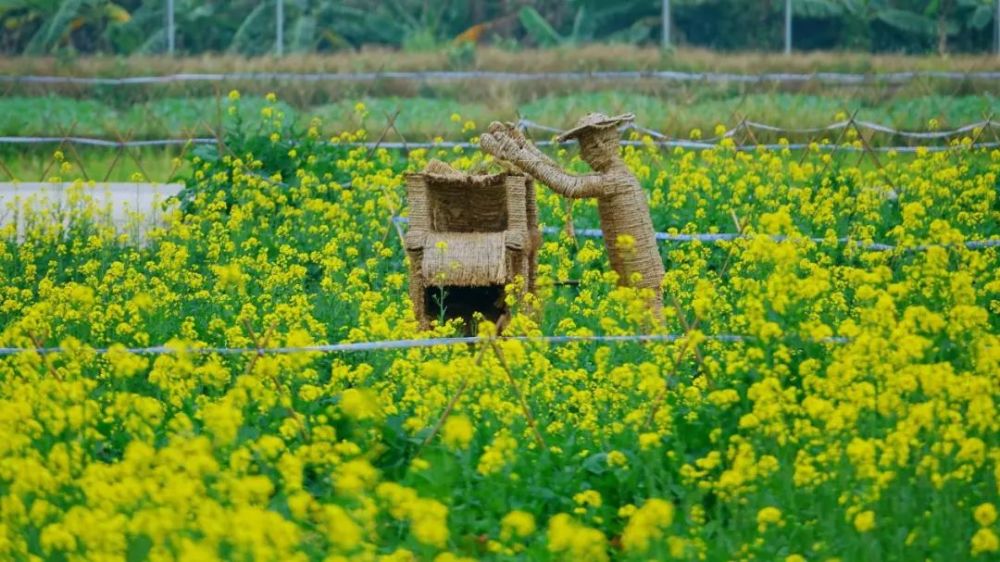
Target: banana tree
x: 955, y: 17
x: 628, y: 21
x: 939, y: 19
x: 413, y: 24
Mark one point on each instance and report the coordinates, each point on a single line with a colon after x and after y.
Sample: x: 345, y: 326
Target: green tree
x: 937, y: 19
x: 42, y: 26
x: 628, y: 21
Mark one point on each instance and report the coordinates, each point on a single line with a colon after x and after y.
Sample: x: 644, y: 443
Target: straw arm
x: 537, y: 153
x: 565, y: 184
x: 504, y: 146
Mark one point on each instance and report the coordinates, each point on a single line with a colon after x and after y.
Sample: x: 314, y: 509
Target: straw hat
x: 595, y: 121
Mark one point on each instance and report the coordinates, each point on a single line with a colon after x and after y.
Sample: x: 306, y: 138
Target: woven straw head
x: 595, y: 121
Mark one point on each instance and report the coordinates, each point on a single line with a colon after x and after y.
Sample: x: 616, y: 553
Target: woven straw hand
x: 502, y: 144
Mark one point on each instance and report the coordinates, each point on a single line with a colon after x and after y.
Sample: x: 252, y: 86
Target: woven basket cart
x: 470, y: 236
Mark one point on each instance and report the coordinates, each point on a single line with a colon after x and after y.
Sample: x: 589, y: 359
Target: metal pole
x: 171, y: 31
x: 996, y: 26
x: 279, y: 31
x: 788, y: 27
x: 666, y: 23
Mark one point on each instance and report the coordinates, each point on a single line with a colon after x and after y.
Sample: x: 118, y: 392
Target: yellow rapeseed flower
x: 518, y: 524
x: 864, y: 521
x: 985, y: 514
x: 359, y: 404
x: 767, y: 517
x: 589, y: 498
x: 985, y: 541
x: 617, y: 459
x: 647, y: 524
x: 576, y: 541
x: 457, y: 432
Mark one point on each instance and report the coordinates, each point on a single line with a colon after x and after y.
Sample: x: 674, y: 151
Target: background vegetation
x: 247, y: 27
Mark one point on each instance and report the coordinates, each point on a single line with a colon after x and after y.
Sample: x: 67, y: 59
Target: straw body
x: 621, y: 201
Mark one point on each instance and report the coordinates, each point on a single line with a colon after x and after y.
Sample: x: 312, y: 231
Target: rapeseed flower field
x: 857, y: 419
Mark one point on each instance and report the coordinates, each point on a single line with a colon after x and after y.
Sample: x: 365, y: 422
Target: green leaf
x: 981, y: 17
x: 637, y: 32
x: 907, y: 21
x: 244, y: 33
x: 596, y: 463
x: 303, y: 34
x: 138, y: 548
x: 578, y: 22
x: 201, y: 12
x: 53, y: 30
x: 155, y: 43
x: 538, y: 28
x: 11, y: 5
x: 856, y: 7
x: 817, y: 8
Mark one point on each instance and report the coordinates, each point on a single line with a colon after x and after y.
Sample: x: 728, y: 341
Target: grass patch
x: 99, y: 164
x: 577, y: 57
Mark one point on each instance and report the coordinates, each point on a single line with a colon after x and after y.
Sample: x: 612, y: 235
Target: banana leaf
x: 538, y: 28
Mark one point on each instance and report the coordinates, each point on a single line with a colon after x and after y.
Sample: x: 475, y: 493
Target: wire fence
x: 396, y: 344
x: 832, y: 78
x: 403, y: 145
x: 659, y: 138
x: 839, y: 125
x: 732, y: 236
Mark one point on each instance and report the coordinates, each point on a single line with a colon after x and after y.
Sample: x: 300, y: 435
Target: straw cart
x: 470, y: 236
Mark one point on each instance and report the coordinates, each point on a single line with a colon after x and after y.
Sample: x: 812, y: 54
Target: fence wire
x: 401, y: 145
x: 394, y: 344
x: 660, y: 139
x: 731, y: 236
x: 105, y: 143
x: 831, y: 78
x: 839, y: 125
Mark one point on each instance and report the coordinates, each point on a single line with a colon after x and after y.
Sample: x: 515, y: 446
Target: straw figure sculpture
x: 469, y: 237
x: 621, y: 201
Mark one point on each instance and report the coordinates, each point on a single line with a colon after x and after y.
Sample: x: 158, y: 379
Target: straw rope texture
x: 471, y: 259
x: 469, y: 231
